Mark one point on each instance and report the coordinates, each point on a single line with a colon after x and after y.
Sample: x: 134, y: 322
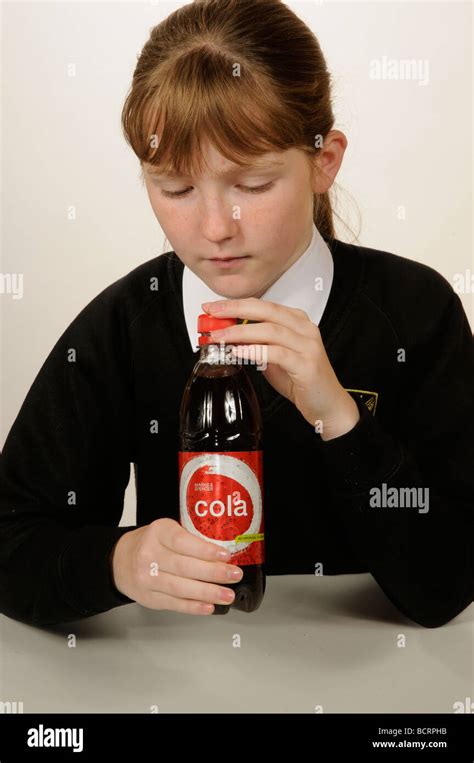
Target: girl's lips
x: 230, y: 263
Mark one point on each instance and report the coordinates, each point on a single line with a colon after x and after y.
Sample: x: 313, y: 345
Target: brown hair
x: 249, y: 75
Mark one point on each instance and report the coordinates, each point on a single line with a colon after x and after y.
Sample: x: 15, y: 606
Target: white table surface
x: 315, y: 641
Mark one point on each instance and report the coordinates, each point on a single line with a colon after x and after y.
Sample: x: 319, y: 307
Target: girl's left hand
x: 298, y: 366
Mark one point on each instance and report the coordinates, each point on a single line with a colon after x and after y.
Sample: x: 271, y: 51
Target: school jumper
x: 108, y: 396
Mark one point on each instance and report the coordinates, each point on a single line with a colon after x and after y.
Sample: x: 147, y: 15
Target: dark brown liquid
x: 220, y: 412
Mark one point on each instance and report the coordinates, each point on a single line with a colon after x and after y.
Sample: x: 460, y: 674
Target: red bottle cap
x: 211, y: 323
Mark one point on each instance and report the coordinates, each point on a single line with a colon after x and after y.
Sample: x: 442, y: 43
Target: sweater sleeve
x: 63, y: 472
x: 421, y: 556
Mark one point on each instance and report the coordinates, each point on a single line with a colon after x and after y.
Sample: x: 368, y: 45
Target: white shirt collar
x: 306, y: 284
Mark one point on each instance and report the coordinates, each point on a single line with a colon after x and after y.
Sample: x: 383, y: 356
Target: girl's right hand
x: 164, y: 566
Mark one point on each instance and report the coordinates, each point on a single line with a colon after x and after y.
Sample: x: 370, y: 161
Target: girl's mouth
x: 229, y: 263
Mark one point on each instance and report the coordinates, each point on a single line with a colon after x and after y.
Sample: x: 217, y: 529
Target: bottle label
x: 220, y: 500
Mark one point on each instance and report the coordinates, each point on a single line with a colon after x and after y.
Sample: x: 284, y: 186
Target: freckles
x: 266, y: 212
x: 253, y: 217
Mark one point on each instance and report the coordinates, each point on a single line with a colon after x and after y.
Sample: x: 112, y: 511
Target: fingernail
x: 223, y: 554
x: 215, y: 306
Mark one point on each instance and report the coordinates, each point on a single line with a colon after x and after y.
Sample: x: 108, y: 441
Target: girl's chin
x: 234, y: 291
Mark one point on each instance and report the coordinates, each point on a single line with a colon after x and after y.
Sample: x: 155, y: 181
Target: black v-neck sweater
x: 399, y: 341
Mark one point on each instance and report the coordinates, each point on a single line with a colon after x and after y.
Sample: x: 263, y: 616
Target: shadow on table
x: 296, y: 597
x: 362, y: 599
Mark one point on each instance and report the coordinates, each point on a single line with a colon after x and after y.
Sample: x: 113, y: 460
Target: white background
x: 410, y: 146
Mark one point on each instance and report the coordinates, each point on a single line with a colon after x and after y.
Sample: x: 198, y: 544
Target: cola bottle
x: 221, y: 462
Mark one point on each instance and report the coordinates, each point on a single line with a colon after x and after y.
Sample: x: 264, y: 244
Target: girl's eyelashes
x: 246, y: 189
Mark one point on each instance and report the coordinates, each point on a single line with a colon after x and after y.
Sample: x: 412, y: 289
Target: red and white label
x: 220, y: 500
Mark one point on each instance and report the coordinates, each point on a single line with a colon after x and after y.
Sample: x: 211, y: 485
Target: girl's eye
x: 176, y: 193
x: 258, y: 188
x: 247, y: 189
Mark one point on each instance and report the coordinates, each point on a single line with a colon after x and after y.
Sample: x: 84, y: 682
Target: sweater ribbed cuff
x: 362, y: 457
x: 85, y: 569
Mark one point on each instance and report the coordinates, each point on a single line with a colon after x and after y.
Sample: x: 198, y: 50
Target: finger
x: 197, y: 569
x: 176, y: 538
x: 155, y: 600
x: 253, y: 308
x: 186, y: 588
x: 288, y: 360
x: 265, y: 333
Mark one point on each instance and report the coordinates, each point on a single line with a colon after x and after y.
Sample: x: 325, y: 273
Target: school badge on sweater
x: 368, y: 398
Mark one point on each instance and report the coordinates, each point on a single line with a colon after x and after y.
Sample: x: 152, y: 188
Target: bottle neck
x: 217, y: 353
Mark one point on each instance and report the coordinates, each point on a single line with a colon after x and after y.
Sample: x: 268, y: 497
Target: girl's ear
x: 328, y: 161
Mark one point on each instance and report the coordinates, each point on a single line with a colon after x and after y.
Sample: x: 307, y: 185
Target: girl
x: 367, y: 399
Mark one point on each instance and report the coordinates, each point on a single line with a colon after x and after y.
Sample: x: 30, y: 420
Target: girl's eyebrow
x: 232, y: 170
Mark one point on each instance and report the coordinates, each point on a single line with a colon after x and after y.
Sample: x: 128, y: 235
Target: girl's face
x: 218, y: 215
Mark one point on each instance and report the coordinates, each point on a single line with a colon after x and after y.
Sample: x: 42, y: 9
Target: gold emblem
x: 368, y: 398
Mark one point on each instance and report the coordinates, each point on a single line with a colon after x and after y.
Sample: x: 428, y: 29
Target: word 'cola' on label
x: 220, y: 498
